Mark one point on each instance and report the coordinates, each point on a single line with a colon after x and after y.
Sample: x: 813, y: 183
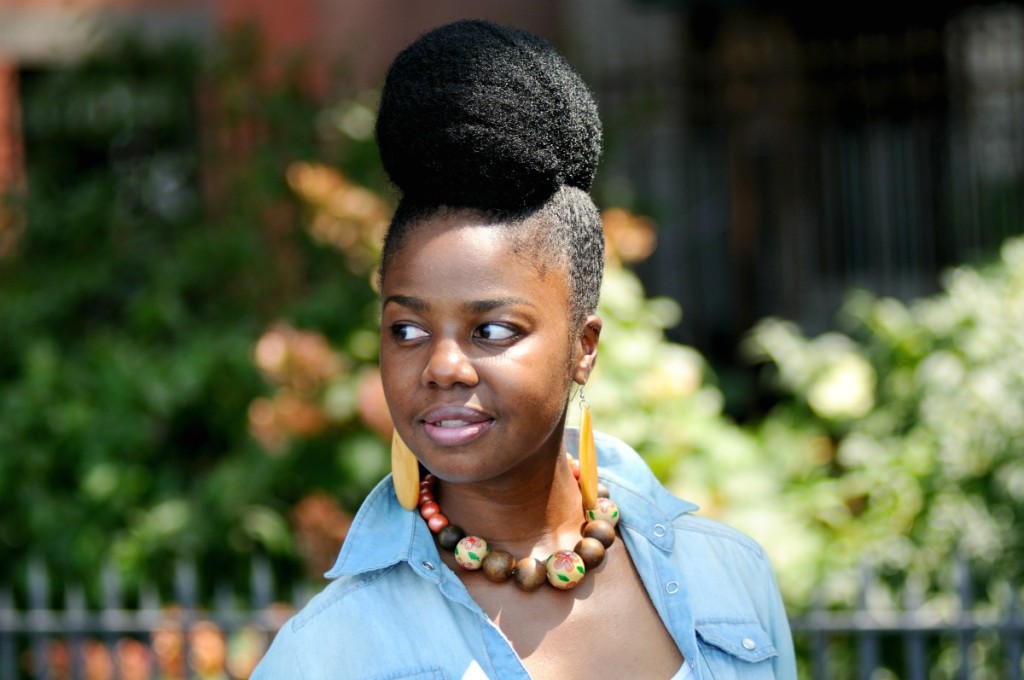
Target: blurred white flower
x: 675, y: 374
x: 845, y: 390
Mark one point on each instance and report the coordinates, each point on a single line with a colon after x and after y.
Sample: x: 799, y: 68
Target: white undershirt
x: 683, y: 673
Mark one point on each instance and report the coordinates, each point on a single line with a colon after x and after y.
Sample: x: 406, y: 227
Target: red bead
x: 437, y: 522
x: 573, y: 465
x: 428, y: 510
x: 425, y: 498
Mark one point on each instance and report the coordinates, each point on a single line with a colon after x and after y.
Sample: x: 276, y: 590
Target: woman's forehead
x: 461, y: 248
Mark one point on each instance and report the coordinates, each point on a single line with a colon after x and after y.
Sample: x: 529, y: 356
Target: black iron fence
x: 952, y: 636
x: 911, y: 645
x: 105, y: 630
x: 49, y: 630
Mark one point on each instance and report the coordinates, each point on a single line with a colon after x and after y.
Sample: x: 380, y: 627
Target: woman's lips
x: 455, y: 425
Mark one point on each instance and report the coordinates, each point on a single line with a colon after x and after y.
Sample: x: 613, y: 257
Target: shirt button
x: 429, y: 566
x: 659, y: 530
x: 749, y: 644
x: 672, y: 587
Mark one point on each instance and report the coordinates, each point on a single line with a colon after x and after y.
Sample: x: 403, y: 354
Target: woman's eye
x: 495, y: 331
x: 407, y: 331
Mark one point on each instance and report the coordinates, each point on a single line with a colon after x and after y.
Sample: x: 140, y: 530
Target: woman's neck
x: 532, y: 513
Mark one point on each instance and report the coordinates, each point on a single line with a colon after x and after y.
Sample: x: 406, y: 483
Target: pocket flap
x: 746, y: 641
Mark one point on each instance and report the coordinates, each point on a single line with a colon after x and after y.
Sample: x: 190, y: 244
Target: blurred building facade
x: 790, y: 153
x: 786, y: 155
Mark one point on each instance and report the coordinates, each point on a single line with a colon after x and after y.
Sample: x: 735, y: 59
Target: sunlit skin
x: 478, y: 355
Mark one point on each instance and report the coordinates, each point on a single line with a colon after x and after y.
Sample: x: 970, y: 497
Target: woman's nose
x: 449, y: 366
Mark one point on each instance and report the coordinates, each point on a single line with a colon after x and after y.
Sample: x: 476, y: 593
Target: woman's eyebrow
x: 413, y: 303
x: 481, y: 306
x: 472, y: 307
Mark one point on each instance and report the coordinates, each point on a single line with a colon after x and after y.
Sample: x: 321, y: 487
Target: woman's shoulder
x: 696, y: 528
x: 338, y: 599
x: 630, y: 475
x: 342, y: 630
x: 703, y: 549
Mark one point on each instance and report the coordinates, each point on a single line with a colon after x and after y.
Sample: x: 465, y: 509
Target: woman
x: 489, y: 282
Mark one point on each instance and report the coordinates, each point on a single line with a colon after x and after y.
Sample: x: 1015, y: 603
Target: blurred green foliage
x: 903, y: 438
x: 152, y: 260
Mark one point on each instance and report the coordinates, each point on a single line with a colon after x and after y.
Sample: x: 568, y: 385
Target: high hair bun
x: 483, y: 116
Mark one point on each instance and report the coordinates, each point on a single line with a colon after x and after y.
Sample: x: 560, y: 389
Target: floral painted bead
x: 565, y: 569
x: 470, y: 552
x: 604, y: 509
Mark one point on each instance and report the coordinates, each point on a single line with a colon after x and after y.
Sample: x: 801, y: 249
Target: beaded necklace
x: 563, y: 569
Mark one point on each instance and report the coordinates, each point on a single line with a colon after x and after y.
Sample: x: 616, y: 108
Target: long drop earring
x: 405, y: 473
x: 588, y: 456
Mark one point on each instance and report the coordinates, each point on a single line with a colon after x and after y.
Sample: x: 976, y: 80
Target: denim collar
x: 384, y: 534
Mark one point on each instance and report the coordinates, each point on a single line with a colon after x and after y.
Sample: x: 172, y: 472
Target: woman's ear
x: 586, y: 349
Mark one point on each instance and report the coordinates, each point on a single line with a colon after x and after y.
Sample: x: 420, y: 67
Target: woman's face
x: 477, y: 354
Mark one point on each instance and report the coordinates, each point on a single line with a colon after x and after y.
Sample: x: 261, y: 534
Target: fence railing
x: 961, y: 639
x: 50, y: 631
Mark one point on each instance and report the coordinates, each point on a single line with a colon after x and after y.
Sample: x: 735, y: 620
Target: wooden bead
x: 604, y: 508
x: 591, y: 551
x: 429, y: 509
x: 470, y: 552
x: 449, y: 536
x: 498, y: 566
x: 530, y: 574
x: 437, y: 522
x: 602, y: 491
x: 565, y: 569
x: 601, y: 530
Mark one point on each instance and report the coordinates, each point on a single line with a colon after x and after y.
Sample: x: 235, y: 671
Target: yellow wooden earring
x: 405, y: 473
x: 588, y: 456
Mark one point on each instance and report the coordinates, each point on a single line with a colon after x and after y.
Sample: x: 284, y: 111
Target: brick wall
x: 11, y: 169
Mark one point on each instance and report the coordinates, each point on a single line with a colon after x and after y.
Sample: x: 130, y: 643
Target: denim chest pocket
x: 737, y: 650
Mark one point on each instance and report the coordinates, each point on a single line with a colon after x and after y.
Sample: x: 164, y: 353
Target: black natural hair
x: 490, y: 118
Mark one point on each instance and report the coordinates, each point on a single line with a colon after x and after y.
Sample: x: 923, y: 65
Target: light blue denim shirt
x: 395, y: 610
